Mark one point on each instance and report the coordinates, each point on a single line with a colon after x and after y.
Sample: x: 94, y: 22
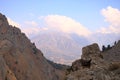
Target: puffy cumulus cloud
x: 11, y: 22
x: 65, y: 24
x: 52, y: 22
x: 112, y: 16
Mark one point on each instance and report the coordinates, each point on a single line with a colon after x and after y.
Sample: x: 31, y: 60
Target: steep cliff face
x: 20, y: 59
x: 95, y: 65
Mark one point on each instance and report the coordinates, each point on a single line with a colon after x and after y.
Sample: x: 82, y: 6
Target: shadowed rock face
x: 20, y: 59
x: 86, y: 63
x: 101, y: 68
x: 81, y: 63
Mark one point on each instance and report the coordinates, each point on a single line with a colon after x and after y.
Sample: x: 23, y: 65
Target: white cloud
x: 65, y: 24
x: 110, y: 33
x: 30, y: 28
x: 31, y: 23
x: 11, y: 22
x: 69, y: 25
x: 112, y: 16
x: 52, y: 22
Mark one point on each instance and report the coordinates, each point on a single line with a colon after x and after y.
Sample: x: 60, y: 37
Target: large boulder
x: 89, y: 50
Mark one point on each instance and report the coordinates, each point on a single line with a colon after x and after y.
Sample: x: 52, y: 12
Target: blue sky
x: 81, y: 15
x: 83, y: 11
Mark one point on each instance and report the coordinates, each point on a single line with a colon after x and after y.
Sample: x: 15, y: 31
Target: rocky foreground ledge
x: 96, y: 65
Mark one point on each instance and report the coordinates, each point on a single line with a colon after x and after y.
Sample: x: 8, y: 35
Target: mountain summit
x: 20, y: 59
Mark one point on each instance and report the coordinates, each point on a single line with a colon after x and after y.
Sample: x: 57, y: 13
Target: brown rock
x: 89, y: 50
x: 20, y: 59
x: 100, y: 68
x: 5, y: 72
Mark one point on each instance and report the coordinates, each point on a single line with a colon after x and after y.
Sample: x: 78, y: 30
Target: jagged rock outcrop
x: 112, y: 54
x: 20, y: 59
x: 97, y: 68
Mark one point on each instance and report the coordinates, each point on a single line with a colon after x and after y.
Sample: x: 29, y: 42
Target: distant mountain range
x: 60, y: 47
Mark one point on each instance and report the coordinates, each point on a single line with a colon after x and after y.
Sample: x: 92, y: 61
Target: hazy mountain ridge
x: 58, y: 47
x: 65, y: 48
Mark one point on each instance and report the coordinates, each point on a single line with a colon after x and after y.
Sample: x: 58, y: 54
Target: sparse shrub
x: 103, y: 48
x: 115, y: 43
x: 108, y: 47
x: 33, y: 43
x: 34, y: 50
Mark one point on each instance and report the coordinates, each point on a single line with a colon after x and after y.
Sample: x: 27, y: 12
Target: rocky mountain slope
x: 96, y: 65
x: 20, y: 59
